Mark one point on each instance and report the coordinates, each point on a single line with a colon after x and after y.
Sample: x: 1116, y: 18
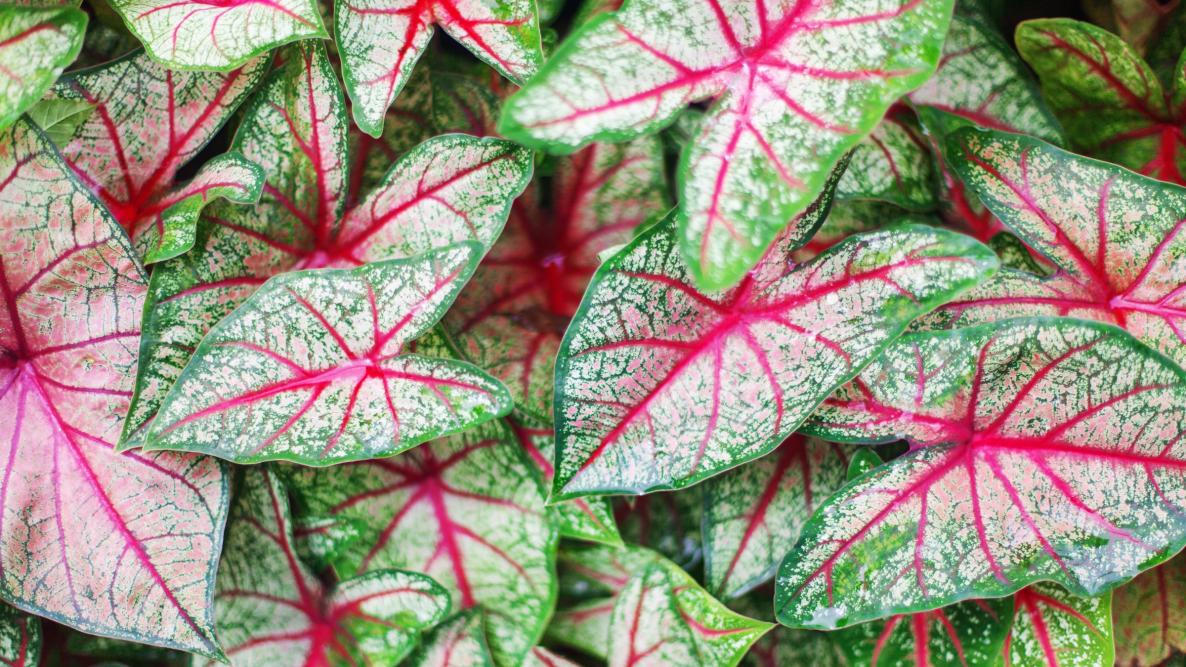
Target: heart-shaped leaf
x: 971, y: 633
x: 511, y: 318
x: 73, y: 294
x: 381, y: 40
x: 1042, y: 449
x: 663, y: 617
x: 752, y: 514
x: 36, y: 44
x: 449, y: 189
x: 145, y: 123
x: 796, y: 87
x: 271, y: 610
x: 313, y: 368
x: 202, y: 35
x: 1116, y: 238
x: 20, y: 638
x: 460, y: 640
x: 1053, y: 627
x: 466, y: 510
x: 1150, y: 620
x: 659, y: 386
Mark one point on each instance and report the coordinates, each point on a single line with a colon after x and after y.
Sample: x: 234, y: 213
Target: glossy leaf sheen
x: 797, y: 86
x: 36, y: 44
x: 1052, y: 628
x: 1150, y: 616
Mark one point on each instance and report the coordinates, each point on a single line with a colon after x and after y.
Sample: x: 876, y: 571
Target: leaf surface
x: 796, y: 85
x: 1052, y: 628
x: 20, y: 638
x: 1150, y: 620
x: 892, y: 165
x: 971, y: 633
x: 458, y: 642
x: 36, y: 44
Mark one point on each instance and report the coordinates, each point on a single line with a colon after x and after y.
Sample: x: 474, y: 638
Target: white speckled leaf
x: 1042, y: 449
x: 752, y: 514
x: 659, y: 386
x: 971, y: 633
x: 460, y: 641
x: 313, y: 368
x: 542, y: 657
x: 381, y: 40
x: 20, y: 638
x: 1052, y: 628
x: 272, y: 610
x: 120, y: 545
x: 467, y: 510
x: 36, y: 44
x: 663, y: 617
x: 892, y: 165
x: 796, y: 85
x: 1150, y: 619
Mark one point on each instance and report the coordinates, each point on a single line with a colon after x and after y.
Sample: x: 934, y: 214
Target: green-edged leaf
x: 1106, y: 96
x: 1052, y: 628
x: 59, y: 119
x: 752, y: 514
x: 971, y: 633
x: 659, y: 386
x: 467, y: 510
x: 36, y: 44
x: 1150, y: 619
x: 846, y: 218
x: 784, y: 647
x: 458, y: 642
x: 892, y: 165
x: 511, y: 318
x: 121, y: 545
x: 663, y: 617
x: 272, y: 610
x: 959, y: 207
x: 145, y: 123
x: 381, y: 40
x: 313, y: 368
x: 796, y: 87
x: 1116, y: 237
x: 20, y: 638
x: 449, y: 189
x: 1042, y: 449
x: 195, y: 34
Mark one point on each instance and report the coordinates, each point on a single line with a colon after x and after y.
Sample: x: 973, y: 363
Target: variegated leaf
x: 145, y: 123
x: 847, y: 218
x: 542, y: 657
x: 313, y: 368
x: 272, y: 610
x: 467, y: 510
x: 659, y: 386
x: 1052, y: 628
x: 663, y: 617
x: 73, y: 295
x: 796, y: 86
x: 892, y: 165
x: 381, y: 40
x: 20, y: 638
x: 449, y: 189
x: 1042, y: 449
x: 971, y: 633
x: 752, y: 514
x: 511, y: 318
x: 202, y: 35
x: 36, y: 44
x: 458, y: 642
x: 1116, y: 237
x: 1150, y: 619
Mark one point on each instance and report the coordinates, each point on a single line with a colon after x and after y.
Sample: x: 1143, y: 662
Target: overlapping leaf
x: 271, y: 610
x: 36, y: 44
x: 459, y: 641
x: 1150, y: 621
x: 449, y: 189
x: 1052, y: 628
x: 784, y: 647
x: 971, y: 633
x: 892, y: 165
x: 467, y: 511
x: 1042, y: 449
x: 659, y: 386
x: 797, y: 86
x: 122, y: 545
x: 381, y: 40
x: 20, y: 638
x: 144, y: 123
x: 1116, y: 238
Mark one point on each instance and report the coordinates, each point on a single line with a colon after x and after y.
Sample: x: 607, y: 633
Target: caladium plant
x: 36, y: 44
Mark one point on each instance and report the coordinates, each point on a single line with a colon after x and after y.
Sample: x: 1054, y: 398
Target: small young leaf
x: 36, y: 44
x: 892, y: 165
x: 1150, y: 618
x: 971, y: 633
x: 1053, y: 627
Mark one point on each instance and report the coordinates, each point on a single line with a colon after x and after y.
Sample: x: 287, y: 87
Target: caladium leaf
x: 797, y: 86
x: 1150, y: 621
x: 1042, y: 449
x: 272, y: 610
x: 196, y: 35
x: 73, y: 294
x: 971, y: 633
x: 449, y: 189
x: 381, y: 40
x: 892, y: 165
x: 659, y: 386
x: 848, y: 217
x: 512, y: 317
x: 663, y: 617
x: 467, y: 510
x: 1138, y: 22
x: 752, y: 514
x: 145, y: 123
x: 1106, y: 95
x: 542, y: 657
x: 1116, y: 238
x: 20, y: 638
x: 313, y: 368
x: 36, y: 44
x: 1052, y: 628
x: 459, y: 641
